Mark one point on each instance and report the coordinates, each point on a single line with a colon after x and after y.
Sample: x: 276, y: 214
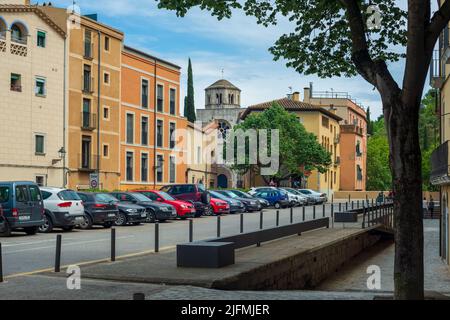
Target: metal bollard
x: 191, y: 230
x: 323, y: 209
x: 156, y: 236
x: 278, y: 218
x: 218, y: 226
x: 113, y: 244
x: 349, y: 198
x: 242, y: 223
x: 352, y: 205
x: 357, y: 204
x: 340, y: 207
x: 346, y: 206
x: 304, y: 213
x: 58, y: 253
x: 292, y: 216
x: 332, y: 216
x: 314, y: 212
x: 332, y: 198
x: 1, y: 264
x: 261, y: 225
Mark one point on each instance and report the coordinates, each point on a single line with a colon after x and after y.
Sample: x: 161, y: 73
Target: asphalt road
x: 24, y: 254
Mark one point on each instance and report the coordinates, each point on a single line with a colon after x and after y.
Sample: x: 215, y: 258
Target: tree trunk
x: 405, y: 160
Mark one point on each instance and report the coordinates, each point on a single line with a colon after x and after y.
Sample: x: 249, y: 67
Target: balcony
x: 351, y: 128
x: 88, y: 121
x: 337, y: 161
x: 88, y: 50
x: 87, y: 162
x: 88, y: 84
x: 16, y: 87
x: 440, y: 165
x: 436, y: 72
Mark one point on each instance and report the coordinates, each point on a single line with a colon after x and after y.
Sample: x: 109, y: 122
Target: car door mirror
x: 159, y: 199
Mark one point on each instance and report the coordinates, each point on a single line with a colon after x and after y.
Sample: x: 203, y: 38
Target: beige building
x: 32, y: 101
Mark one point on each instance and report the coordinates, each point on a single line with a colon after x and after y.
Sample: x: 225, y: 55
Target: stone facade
x: 26, y: 111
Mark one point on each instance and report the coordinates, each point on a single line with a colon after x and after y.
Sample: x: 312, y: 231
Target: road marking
x: 125, y: 256
x: 67, y: 244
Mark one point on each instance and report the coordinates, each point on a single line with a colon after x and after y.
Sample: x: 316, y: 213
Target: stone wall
x: 304, y: 270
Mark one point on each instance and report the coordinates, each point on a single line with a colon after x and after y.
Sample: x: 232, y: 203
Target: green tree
x: 298, y: 149
x: 345, y: 38
x: 189, y: 104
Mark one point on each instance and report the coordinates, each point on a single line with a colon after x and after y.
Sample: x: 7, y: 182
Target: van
x: 22, y: 207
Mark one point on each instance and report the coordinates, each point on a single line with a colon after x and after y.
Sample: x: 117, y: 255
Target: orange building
x: 353, y: 136
x: 148, y: 150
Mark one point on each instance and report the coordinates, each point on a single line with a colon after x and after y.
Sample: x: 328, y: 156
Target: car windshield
x: 68, y: 195
x: 229, y: 194
x: 140, y: 197
x: 242, y: 194
x: 305, y: 191
x: 218, y: 195
x: 105, y: 198
x: 166, y: 196
x: 4, y: 194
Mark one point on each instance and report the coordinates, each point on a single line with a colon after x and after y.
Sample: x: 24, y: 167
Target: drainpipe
x: 154, y: 125
x: 64, y: 114
x: 98, y: 105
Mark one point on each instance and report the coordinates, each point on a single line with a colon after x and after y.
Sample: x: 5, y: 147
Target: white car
x: 294, y: 197
x: 63, y: 209
x: 255, y: 190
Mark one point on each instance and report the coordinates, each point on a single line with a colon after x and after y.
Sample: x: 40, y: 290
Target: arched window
x: 3, y: 29
x: 223, y: 128
x: 19, y: 33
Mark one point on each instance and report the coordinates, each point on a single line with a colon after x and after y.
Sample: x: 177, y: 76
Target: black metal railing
x: 88, y: 121
x: 440, y: 164
x: 87, y: 162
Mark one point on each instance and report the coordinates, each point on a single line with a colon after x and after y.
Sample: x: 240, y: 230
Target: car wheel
x: 47, y: 226
x: 277, y: 205
x: 121, y: 220
x: 7, y: 230
x: 68, y: 229
x: 151, y: 217
x: 31, y: 231
x: 208, y: 211
x: 87, y: 223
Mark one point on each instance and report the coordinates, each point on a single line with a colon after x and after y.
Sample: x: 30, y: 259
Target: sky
x: 238, y: 46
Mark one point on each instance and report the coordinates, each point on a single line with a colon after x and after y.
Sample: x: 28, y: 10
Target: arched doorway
x: 222, y: 181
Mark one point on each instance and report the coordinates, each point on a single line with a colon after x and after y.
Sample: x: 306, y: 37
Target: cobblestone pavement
x: 354, y: 276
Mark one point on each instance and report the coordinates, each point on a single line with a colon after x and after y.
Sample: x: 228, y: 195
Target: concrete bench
x: 219, y: 252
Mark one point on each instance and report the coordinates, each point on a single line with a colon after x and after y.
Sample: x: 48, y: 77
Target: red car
x: 184, y: 209
x: 219, y: 206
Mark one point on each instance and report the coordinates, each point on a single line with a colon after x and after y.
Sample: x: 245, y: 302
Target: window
x: 159, y: 168
x: 172, y: 101
x: 40, y: 87
x: 16, y: 82
x: 35, y: 194
x: 144, y: 93
x: 4, y: 194
x: 172, y: 135
x: 22, y: 194
x: 172, y: 173
x: 40, y: 181
x: 130, y: 128
x: 39, y: 144
x: 87, y: 79
x: 144, y: 131
x: 358, y: 149
x: 144, y: 167
x: 325, y: 122
x: 359, y: 173
x: 41, y: 39
x: 199, y: 155
x: 88, y: 44
x: 86, y: 162
x: 105, y: 151
x: 159, y: 133
x: 106, y: 43
x: 106, y: 77
x: 87, y: 120
x: 105, y: 113
x: 160, y: 98
x: 129, y: 164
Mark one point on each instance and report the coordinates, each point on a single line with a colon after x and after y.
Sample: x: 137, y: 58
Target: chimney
x: 306, y: 94
x: 296, y: 96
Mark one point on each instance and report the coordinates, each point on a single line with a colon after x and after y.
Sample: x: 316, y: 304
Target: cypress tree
x: 189, y: 101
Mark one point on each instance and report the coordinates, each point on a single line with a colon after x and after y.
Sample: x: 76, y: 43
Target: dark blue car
x: 277, y: 198
x: 22, y: 207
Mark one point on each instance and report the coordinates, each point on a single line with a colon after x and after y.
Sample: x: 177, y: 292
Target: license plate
x: 24, y: 218
x: 111, y: 215
x: 144, y: 215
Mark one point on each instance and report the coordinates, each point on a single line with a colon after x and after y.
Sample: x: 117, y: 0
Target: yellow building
x: 32, y: 103
x: 440, y: 159
x: 94, y: 68
x: 324, y: 124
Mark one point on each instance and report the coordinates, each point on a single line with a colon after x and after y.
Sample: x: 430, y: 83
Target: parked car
x: 99, y: 209
x: 242, y: 194
x: 22, y: 207
x: 314, y: 197
x: 276, y: 198
x: 295, y: 197
x: 250, y: 204
x: 193, y: 193
x: 130, y: 213
x: 254, y: 190
x: 184, y: 209
x: 219, y: 206
x: 236, y: 206
x: 155, y: 210
x: 63, y: 209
